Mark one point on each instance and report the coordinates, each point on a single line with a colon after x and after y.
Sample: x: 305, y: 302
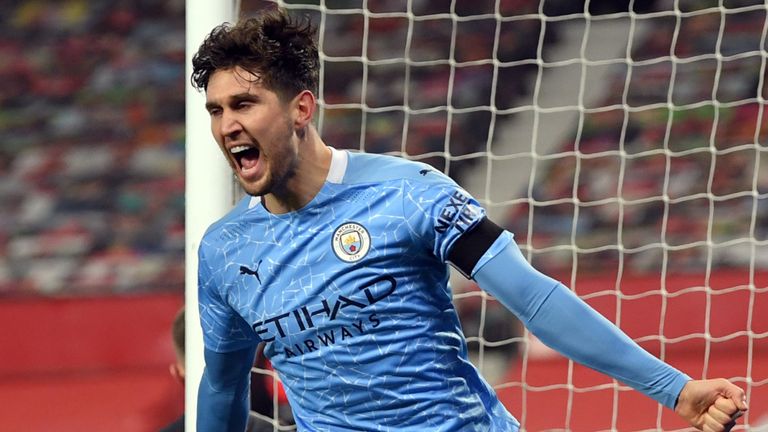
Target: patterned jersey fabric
x: 350, y: 295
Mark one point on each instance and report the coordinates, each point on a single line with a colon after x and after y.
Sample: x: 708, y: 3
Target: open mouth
x: 246, y: 157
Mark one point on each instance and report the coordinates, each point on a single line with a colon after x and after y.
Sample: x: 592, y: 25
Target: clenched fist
x: 711, y: 405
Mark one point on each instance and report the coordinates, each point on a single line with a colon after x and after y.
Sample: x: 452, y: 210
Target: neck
x: 309, y: 176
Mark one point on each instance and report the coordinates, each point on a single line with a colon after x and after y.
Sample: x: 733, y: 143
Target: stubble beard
x: 282, y: 165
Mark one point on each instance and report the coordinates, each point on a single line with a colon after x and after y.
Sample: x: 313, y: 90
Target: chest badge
x: 351, y: 242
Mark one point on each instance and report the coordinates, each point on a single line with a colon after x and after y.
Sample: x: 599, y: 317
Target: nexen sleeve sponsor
x: 452, y: 218
x: 439, y: 211
x: 458, y: 213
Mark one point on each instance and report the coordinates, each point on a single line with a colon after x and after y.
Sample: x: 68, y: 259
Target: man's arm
x: 564, y: 322
x: 222, y: 401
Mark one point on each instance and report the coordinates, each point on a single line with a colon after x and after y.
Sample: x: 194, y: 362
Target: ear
x: 304, y: 105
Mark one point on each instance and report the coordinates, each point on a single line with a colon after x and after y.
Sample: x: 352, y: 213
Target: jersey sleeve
x: 566, y: 323
x: 439, y: 211
x: 224, y: 330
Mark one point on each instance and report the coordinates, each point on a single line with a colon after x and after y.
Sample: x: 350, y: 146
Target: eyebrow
x: 239, y: 97
x: 211, y: 105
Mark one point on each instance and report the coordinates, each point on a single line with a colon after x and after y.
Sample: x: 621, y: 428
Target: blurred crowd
x: 92, y: 131
x: 671, y: 165
x: 91, y: 146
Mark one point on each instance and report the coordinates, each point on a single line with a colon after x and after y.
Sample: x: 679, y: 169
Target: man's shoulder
x: 230, y: 219
x: 378, y: 168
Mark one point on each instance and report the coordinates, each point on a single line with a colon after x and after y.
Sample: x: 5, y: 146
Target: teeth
x: 238, y: 149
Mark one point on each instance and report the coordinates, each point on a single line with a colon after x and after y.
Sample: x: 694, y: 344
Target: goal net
x: 623, y: 143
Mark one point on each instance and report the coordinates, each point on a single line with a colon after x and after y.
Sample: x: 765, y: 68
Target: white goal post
x: 622, y: 142
x: 209, y: 190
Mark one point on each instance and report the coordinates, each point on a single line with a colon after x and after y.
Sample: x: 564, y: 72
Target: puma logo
x: 246, y: 270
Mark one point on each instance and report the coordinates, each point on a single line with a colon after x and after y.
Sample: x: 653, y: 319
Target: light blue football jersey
x: 350, y: 295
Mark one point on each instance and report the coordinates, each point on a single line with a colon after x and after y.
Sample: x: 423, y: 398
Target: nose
x: 230, y: 126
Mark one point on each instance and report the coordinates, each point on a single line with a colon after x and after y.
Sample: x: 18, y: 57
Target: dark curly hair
x: 277, y: 48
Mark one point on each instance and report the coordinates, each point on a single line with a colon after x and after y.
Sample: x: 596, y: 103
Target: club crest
x: 351, y: 242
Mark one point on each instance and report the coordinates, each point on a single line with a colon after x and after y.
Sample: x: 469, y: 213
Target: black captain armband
x: 471, y: 246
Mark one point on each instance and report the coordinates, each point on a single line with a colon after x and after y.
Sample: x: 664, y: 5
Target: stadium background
x: 92, y: 200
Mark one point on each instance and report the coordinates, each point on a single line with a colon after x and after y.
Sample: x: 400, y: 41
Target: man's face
x: 254, y: 129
